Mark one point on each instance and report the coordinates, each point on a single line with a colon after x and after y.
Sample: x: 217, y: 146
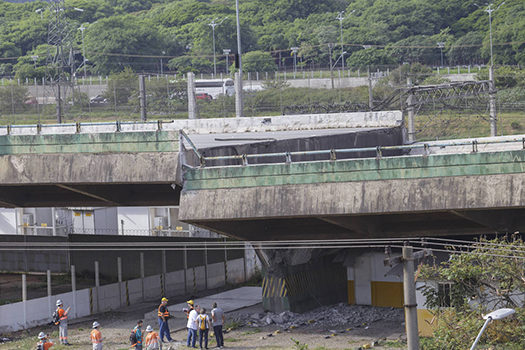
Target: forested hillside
x: 141, y: 34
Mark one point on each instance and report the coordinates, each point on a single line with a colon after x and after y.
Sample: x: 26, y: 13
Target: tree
x: 258, y: 61
x: 490, y: 276
x: 122, y: 41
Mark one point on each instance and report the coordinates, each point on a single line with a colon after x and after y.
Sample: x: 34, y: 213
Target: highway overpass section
x: 138, y: 164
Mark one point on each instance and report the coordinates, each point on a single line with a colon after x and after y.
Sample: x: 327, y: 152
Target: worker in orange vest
x: 152, y: 341
x: 61, y: 316
x: 96, y: 336
x: 163, y: 316
x: 44, y: 343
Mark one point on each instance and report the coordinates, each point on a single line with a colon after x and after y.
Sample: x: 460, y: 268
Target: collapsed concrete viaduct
x: 418, y: 190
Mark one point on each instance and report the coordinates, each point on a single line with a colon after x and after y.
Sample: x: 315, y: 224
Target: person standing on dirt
x: 163, y: 316
x: 44, y: 343
x: 192, y: 324
x: 152, y: 341
x: 136, y: 336
x: 96, y: 336
x: 60, y: 319
x: 204, y: 326
x: 217, y: 318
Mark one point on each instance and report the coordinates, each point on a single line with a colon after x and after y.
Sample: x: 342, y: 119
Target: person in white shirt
x: 192, y: 325
x: 217, y: 318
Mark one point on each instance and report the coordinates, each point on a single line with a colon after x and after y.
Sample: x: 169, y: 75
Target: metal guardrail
x: 332, y: 153
x: 78, y: 126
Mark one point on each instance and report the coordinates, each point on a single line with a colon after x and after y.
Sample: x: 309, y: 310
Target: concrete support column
x: 49, y: 292
x: 119, y: 274
x: 238, y: 96
x: 192, y: 103
x: 97, y: 285
x: 205, y: 265
x: 142, y: 96
x: 142, y: 275
x: 492, y: 104
x: 24, y: 299
x: 225, y: 263
x: 74, y: 289
x: 185, y: 256
x: 164, y: 270
x: 244, y: 267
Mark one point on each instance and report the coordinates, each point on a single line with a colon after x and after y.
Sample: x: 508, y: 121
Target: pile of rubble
x: 326, y: 317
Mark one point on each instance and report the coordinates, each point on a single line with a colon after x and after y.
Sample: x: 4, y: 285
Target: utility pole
x: 330, y: 47
x: 161, y: 63
x: 238, y: 81
x: 370, y: 92
x: 411, y: 113
x: 142, y: 93
x: 409, y: 292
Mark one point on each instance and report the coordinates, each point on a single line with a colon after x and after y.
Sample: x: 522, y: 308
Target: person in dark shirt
x: 164, y: 315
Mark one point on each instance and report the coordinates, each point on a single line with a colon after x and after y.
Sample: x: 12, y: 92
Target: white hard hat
x: 149, y: 329
x: 41, y: 335
x: 59, y: 302
x: 96, y: 324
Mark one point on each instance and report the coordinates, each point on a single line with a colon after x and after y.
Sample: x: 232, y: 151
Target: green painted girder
x: 115, y: 142
x: 369, y: 169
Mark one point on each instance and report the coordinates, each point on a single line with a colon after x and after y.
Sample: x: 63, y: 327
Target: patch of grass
x: 393, y: 343
x: 232, y: 325
x: 232, y: 340
x: 252, y: 331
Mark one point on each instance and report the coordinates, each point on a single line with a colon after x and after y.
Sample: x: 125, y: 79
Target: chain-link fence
x: 116, y: 97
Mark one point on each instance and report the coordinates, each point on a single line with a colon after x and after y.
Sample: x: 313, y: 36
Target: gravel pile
x: 340, y: 316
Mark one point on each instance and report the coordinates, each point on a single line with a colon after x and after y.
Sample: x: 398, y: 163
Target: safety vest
x: 44, y: 345
x: 62, y: 314
x: 96, y: 336
x: 188, y: 313
x: 166, y: 313
x: 152, y: 338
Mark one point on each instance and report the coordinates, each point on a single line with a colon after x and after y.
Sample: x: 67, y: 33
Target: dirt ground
x: 116, y: 327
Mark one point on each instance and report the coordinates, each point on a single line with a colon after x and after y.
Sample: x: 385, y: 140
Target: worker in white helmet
x: 96, y: 336
x: 60, y: 319
x: 43, y: 342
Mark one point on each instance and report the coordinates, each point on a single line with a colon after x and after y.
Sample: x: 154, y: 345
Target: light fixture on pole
x: 294, y: 52
x: 441, y: 45
x: 226, y: 53
x: 41, y: 11
x: 214, y: 24
x: 494, y: 315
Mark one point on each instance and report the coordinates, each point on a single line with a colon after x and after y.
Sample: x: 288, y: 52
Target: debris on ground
x: 335, y: 318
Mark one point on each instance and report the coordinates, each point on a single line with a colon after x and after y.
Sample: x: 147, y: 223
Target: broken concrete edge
x: 223, y: 125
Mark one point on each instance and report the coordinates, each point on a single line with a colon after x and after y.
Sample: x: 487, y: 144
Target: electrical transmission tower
x: 60, y: 54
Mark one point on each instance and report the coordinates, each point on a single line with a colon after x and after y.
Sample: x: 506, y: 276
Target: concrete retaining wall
x: 38, y: 311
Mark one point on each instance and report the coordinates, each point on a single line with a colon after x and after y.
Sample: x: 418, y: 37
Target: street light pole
x: 492, y: 90
x: 294, y: 51
x: 341, y: 18
x: 214, y: 24
x: 441, y: 45
x: 226, y: 52
x: 238, y: 82
x: 82, y: 28
x: 161, y: 68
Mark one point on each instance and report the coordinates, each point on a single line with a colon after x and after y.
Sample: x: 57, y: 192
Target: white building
x: 134, y: 221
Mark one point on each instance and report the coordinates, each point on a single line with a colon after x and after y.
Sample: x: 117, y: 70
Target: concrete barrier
x: 12, y: 319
